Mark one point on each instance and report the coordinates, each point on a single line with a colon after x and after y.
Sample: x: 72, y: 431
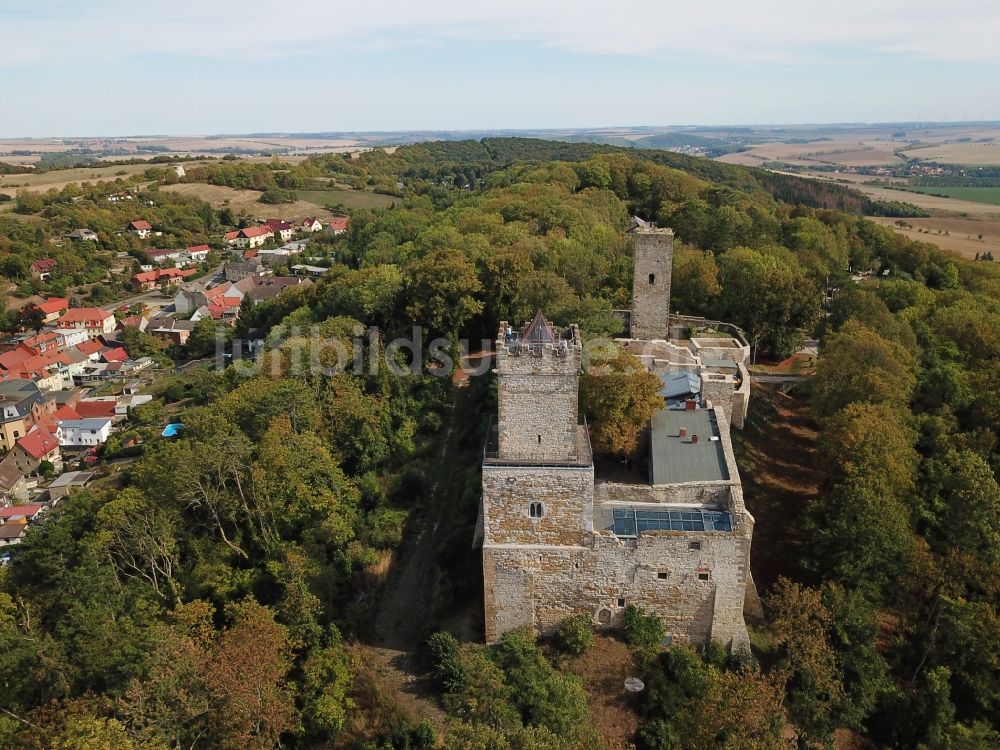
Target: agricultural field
x: 965, y: 236
x: 970, y: 154
x: 990, y: 195
x: 60, y: 178
x: 309, y: 203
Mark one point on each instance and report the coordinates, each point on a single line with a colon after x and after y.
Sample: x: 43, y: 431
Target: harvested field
x: 958, y: 235
x: 959, y: 153
x: 247, y: 200
x: 60, y: 178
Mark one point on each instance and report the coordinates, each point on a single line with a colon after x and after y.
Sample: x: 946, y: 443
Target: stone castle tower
x: 538, y: 475
x: 654, y: 259
x: 538, y: 371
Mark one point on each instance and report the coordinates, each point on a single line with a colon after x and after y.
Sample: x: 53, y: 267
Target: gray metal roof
x: 72, y: 478
x: 675, y: 459
x: 677, y: 384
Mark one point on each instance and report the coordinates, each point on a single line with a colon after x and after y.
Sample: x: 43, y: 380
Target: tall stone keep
x: 654, y: 259
x: 538, y: 375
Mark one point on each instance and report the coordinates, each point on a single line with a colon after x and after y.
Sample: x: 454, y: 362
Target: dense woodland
x: 216, y: 599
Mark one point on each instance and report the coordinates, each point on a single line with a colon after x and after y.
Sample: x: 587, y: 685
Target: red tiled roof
x: 163, y: 273
x: 19, y: 510
x: 250, y: 254
x: 94, y: 315
x: 91, y: 409
x: 278, y: 225
x: 232, y: 235
x: 339, y: 222
x: 53, y: 305
x: 90, y: 347
x: 118, y: 354
x: 199, y: 249
x: 14, y: 359
x: 140, y: 224
x: 38, y: 444
x: 132, y: 321
x: 44, y: 264
x: 256, y: 231
x: 161, y: 252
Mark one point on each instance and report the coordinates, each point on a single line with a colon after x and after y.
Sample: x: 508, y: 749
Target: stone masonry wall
x: 660, y: 572
x: 566, y: 495
x: 654, y: 258
x: 538, y: 400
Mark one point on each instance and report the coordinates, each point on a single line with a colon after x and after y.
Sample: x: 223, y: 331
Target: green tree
x: 619, y: 398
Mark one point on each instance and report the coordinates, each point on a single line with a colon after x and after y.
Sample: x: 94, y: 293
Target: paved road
x: 213, y: 276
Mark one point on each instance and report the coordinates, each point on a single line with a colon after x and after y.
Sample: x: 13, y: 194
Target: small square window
x: 662, y: 575
x: 621, y: 601
x: 704, y: 576
x: 694, y: 545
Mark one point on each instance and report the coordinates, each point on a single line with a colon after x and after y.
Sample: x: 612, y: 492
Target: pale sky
x: 127, y: 67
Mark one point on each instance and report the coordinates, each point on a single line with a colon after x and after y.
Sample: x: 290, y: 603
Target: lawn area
x: 989, y: 195
x: 350, y: 198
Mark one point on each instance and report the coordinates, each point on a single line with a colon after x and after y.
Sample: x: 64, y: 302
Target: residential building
x: 311, y: 271
x: 76, y: 433
x: 93, y: 320
x: 310, y: 225
x: 53, y: 307
x: 160, y: 277
x: 250, y: 236
x: 82, y: 235
x: 139, y: 227
x: 37, y: 446
x: 21, y: 403
x: 246, y: 269
x: 13, y: 484
x: 282, y: 229
x: 338, y: 225
x: 42, y: 269
x: 198, y: 253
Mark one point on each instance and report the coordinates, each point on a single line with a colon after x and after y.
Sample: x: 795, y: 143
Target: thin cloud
x: 771, y: 31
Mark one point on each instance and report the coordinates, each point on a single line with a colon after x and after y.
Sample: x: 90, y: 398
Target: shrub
x: 642, y: 631
x: 442, y: 652
x: 575, y: 634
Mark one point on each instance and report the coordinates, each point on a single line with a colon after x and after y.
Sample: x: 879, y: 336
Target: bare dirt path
x: 780, y: 472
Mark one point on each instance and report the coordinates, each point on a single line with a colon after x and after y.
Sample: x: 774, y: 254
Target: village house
x: 282, y: 229
x: 140, y: 228
x: 171, y: 330
x: 37, y: 446
x: 243, y: 270
x: 310, y: 225
x: 42, y: 269
x: 20, y: 402
x: 93, y: 320
x: 162, y: 255
x: 160, y: 277
x: 82, y: 235
x: 53, y: 307
x: 337, y: 225
x: 13, y: 484
x: 78, y: 433
x: 198, y: 253
x: 249, y: 237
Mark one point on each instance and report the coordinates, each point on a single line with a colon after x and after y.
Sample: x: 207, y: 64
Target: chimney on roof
x: 683, y: 432
x: 694, y: 439
x: 690, y: 405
